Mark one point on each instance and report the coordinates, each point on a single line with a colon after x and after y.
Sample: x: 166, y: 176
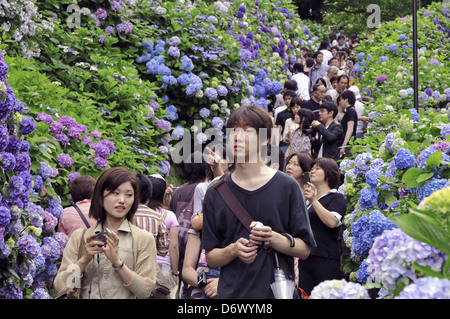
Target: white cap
x: 355, y: 90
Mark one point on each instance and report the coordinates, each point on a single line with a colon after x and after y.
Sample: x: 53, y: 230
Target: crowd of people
x: 134, y: 236
x: 320, y: 80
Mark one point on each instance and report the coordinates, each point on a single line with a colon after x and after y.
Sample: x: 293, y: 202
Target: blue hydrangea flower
x: 393, y: 47
x: 211, y: 93
x: 404, y: 159
x: 362, y: 273
x: 178, y: 132
x: 27, y: 126
x: 183, y: 79
x: 373, y: 177
x: 392, y: 255
x: 445, y: 131
x: 221, y: 90
x: 427, y: 288
x: 186, y: 63
x: 204, y: 112
x: 217, y: 122
x: 368, y: 198
x: 362, y: 162
x: 245, y: 55
x: 195, y: 85
x: 415, y: 115
x: 430, y: 186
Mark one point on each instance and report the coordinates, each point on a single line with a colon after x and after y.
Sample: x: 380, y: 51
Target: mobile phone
x: 305, y: 179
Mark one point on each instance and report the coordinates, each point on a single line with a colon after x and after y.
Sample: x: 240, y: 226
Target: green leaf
x: 410, y: 177
x: 424, y: 228
x: 433, y: 161
x: 423, y: 177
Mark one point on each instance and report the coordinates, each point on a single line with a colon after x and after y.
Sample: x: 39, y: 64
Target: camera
x: 201, y: 280
x: 101, y: 236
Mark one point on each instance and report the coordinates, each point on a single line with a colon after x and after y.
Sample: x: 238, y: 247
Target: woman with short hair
x: 325, y: 209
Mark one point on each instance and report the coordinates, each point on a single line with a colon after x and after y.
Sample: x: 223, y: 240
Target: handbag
x: 244, y: 217
x: 74, y: 293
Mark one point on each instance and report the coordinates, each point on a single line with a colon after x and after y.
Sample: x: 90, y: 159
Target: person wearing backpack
x: 196, y: 170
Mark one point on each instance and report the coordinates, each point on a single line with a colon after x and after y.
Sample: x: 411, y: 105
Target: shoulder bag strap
x: 82, y: 216
x: 233, y: 203
x: 240, y: 212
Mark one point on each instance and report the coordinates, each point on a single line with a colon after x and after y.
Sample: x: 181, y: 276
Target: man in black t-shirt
x: 349, y: 121
x: 317, y: 96
x: 270, y: 197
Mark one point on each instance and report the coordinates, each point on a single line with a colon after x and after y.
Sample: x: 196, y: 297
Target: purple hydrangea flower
x: 46, y: 118
x: 56, y: 128
x: 5, y: 216
x: 392, y: 255
x: 101, y: 162
x: 65, y: 160
x: 40, y: 293
x: 73, y: 176
x: 50, y: 249
x: 245, y: 55
x: 125, y: 27
x: 382, y: 78
x: 100, y: 149
x: 163, y: 125
x: 4, y: 137
x: 28, y: 247
x: 8, y: 161
x: 96, y: 134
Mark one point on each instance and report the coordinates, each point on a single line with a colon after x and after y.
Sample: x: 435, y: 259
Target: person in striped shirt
x: 150, y: 220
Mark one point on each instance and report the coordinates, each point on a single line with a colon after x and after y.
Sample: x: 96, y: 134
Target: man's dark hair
x: 290, y: 93
x: 317, y: 53
x: 298, y: 67
x: 291, y: 85
x: 81, y: 188
x: 350, y: 96
x: 329, y: 106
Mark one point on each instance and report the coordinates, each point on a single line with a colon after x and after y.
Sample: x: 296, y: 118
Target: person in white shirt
x: 325, y: 49
x: 303, y: 82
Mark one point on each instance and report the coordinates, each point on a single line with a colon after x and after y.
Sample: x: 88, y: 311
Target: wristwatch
x: 176, y: 274
x: 119, y: 266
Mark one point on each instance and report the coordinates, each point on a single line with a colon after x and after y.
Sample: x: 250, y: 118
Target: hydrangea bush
x: 29, y: 245
x: 402, y: 161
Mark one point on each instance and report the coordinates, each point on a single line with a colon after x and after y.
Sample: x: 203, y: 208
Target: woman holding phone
x: 326, y: 207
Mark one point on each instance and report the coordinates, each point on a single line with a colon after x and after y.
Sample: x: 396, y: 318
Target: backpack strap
x: 82, y: 216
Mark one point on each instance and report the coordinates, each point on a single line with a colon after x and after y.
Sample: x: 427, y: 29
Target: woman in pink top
x: 81, y: 190
x: 168, y: 262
